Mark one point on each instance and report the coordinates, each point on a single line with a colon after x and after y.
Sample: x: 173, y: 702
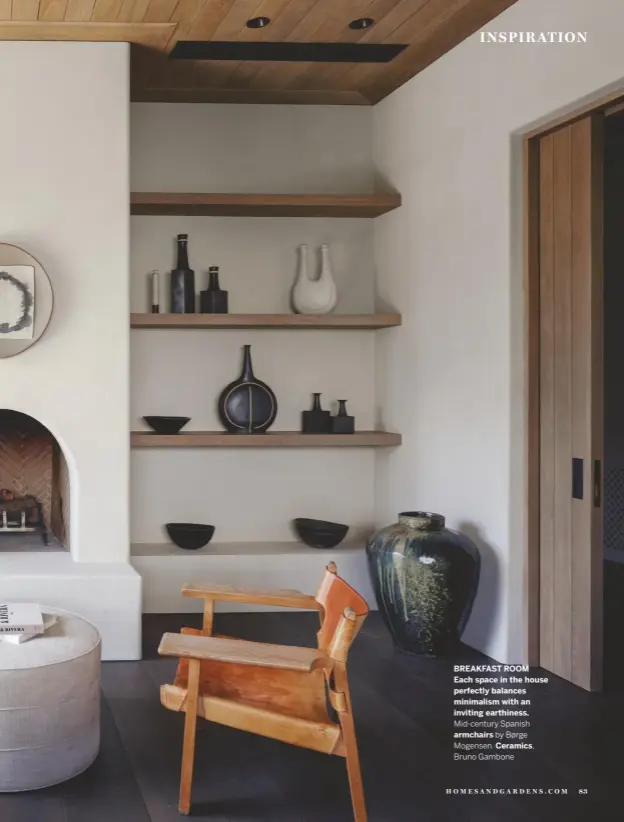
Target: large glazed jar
x: 425, y: 578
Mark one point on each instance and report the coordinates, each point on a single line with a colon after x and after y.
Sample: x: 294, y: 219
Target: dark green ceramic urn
x: 425, y: 578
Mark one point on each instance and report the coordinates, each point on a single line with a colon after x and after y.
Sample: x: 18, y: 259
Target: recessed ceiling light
x: 258, y: 22
x: 362, y: 23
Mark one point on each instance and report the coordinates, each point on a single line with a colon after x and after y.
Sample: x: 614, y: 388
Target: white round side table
x: 49, y: 704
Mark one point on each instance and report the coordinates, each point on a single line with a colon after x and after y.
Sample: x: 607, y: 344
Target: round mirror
x: 26, y: 300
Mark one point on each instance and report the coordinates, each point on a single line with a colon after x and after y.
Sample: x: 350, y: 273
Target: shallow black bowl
x: 166, y: 425
x: 190, y: 535
x: 318, y: 533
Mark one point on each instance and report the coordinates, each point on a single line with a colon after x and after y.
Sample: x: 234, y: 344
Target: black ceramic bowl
x: 166, y: 425
x: 317, y: 533
x: 190, y: 535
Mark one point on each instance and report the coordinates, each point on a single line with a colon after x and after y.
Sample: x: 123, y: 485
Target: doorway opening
x: 574, y: 209
x: 613, y: 401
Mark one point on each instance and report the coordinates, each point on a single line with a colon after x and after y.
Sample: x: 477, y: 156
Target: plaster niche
x: 34, y: 486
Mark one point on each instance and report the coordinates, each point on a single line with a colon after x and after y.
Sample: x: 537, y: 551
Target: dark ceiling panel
x: 291, y: 52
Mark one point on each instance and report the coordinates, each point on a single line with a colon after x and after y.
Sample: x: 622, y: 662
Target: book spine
x: 21, y: 629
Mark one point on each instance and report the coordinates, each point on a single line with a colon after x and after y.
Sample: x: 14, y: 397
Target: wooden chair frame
x: 246, y: 670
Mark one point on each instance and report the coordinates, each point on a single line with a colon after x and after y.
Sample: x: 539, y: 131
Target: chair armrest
x: 283, y: 597
x: 241, y: 652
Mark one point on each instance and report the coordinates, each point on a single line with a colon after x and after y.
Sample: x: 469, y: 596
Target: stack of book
x: 21, y: 621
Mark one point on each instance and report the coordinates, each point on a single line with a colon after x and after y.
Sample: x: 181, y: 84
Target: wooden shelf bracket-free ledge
x: 276, y: 321
x: 263, y: 205
x: 272, y: 439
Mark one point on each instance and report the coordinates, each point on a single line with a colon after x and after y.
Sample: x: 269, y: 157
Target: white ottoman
x: 49, y: 704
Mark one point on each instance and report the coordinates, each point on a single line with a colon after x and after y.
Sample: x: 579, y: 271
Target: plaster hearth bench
x: 49, y: 704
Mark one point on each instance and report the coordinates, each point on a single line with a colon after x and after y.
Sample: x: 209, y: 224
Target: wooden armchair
x: 277, y: 691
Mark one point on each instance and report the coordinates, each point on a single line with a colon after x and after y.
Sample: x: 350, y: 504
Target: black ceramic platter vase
x: 247, y: 405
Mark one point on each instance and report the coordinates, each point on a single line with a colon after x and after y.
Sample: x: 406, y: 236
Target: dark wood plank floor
x: 403, y: 715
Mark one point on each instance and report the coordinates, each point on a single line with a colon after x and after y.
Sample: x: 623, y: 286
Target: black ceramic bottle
x: 247, y: 405
x: 213, y: 300
x: 342, y: 423
x: 316, y: 421
x: 182, y: 281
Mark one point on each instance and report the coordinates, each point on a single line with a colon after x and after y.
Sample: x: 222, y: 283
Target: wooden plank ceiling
x: 428, y: 27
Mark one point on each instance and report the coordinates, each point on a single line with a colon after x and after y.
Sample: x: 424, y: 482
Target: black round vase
x: 247, y: 405
x: 425, y: 578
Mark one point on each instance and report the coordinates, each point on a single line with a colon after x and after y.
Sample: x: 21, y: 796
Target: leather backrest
x: 334, y: 596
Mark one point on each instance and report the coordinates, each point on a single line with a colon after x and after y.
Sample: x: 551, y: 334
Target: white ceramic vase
x: 314, y: 296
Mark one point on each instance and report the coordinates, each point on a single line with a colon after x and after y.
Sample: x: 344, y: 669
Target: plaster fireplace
x: 34, y: 486
x: 65, y: 418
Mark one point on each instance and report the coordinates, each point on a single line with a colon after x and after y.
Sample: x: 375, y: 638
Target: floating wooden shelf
x: 328, y: 321
x: 229, y: 549
x: 272, y: 439
x: 263, y: 205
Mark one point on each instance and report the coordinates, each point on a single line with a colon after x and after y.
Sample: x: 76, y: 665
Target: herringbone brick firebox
x: 32, y: 463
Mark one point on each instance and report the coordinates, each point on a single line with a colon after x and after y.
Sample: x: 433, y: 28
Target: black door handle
x: 597, y: 484
x: 577, y: 478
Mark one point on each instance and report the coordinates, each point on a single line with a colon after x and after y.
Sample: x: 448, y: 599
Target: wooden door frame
x: 608, y: 104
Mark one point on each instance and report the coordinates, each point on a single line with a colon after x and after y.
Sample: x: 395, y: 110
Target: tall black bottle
x: 182, y: 281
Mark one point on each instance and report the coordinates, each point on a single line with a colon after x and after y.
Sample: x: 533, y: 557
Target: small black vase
x: 213, y: 300
x: 425, y: 578
x: 316, y: 421
x: 342, y: 423
x: 182, y: 281
x: 247, y: 405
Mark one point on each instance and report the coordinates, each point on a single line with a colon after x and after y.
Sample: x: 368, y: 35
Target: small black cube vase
x: 342, y: 423
x: 213, y: 300
x: 316, y: 421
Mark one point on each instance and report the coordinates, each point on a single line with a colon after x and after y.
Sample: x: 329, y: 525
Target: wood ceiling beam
x: 154, y: 35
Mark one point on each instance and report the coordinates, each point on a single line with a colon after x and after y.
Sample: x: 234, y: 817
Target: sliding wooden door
x: 570, y: 343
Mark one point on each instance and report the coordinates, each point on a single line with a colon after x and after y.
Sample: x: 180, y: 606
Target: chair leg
x: 190, y: 726
x: 353, y: 766
x: 208, y: 617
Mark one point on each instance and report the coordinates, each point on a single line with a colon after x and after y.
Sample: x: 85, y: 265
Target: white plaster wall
x: 451, y: 379
x: 251, y: 495
x: 64, y: 166
x: 64, y: 147
x: 251, y: 148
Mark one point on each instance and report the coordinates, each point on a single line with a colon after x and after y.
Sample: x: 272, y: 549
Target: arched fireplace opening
x: 34, y: 486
